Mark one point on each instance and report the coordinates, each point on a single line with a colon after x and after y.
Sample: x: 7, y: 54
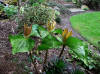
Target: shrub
x: 57, y: 13
x: 63, y: 9
x: 12, y: 2
x: 77, y: 2
x: 36, y: 1
x: 10, y: 10
x: 1, y: 7
x: 52, y: 4
x: 38, y: 14
x: 93, y: 4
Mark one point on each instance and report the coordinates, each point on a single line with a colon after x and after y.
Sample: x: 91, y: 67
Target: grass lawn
x: 88, y: 25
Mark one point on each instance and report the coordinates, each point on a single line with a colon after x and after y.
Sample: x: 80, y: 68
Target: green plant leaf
x: 77, y: 71
x: 79, y: 48
x: 35, y: 4
x: 43, y: 32
x: 39, y: 31
x: 10, y: 10
x: 58, y: 31
x: 59, y: 38
x: 73, y: 42
x: 60, y: 64
x: 20, y: 44
x: 49, y: 42
x: 34, y: 32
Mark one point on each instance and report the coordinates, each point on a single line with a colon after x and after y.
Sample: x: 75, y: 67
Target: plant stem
x: 33, y: 62
x: 45, y: 60
x: 46, y: 56
x: 62, y: 51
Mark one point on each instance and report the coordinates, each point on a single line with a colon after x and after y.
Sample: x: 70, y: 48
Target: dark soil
x: 9, y: 63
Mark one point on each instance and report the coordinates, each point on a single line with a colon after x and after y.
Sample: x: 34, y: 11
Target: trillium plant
x: 49, y: 38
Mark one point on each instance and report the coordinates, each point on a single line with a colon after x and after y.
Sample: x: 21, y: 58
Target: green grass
x: 88, y: 25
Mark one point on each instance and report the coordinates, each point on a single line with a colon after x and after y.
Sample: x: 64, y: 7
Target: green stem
x: 33, y: 62
x: 62, y: 51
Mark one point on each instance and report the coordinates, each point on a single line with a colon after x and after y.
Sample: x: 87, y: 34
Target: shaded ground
x: 7, y: 63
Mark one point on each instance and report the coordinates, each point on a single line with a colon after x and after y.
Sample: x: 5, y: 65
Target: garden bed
x: 18, y: 53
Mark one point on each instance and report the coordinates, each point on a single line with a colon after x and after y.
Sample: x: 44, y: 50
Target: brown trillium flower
x: 51, y: 26
x: 27, y: 30
x: 66, y: 34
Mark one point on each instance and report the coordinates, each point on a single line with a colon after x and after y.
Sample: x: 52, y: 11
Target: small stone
x: 84, y: 7
x: 74, y: 10
x: 56, y: 8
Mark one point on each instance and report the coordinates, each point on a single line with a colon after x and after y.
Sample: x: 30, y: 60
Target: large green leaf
x: 79, y: 48
x: 35, y: 32
x: 43, y: 32
x: 73, y: 42
x: 49, y: 42
x: 58, y: 31
x: 59, y: 38
x: 20, y: 44
x: 39, y: 31
x: 80, y: 51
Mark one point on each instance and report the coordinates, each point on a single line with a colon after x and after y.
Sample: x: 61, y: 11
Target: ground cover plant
x: 7, y: 11
x: 48, y: 41
x: 88, y: 26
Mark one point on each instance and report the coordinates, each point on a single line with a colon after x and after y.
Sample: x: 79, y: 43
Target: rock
x: 57, y: 8
x: 74, y: 1
x: 84, y: 7
x: 74, y: 10
x: 70, y: 5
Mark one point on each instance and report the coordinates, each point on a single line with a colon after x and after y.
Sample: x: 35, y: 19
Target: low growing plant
x: 48, y: 40
x: 31, y: 2
x: 10, y: 10
x: 1, y: 7
x: 55, y: 66
x: 11, y: 2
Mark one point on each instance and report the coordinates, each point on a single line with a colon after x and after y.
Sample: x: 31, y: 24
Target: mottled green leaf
x: 58, y: 31
x: 20, y: 44
x: 49, y: 42
x: 39, y: 31
x: 35, y: 32
x: 43, y: 32
x: 79, y: 48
